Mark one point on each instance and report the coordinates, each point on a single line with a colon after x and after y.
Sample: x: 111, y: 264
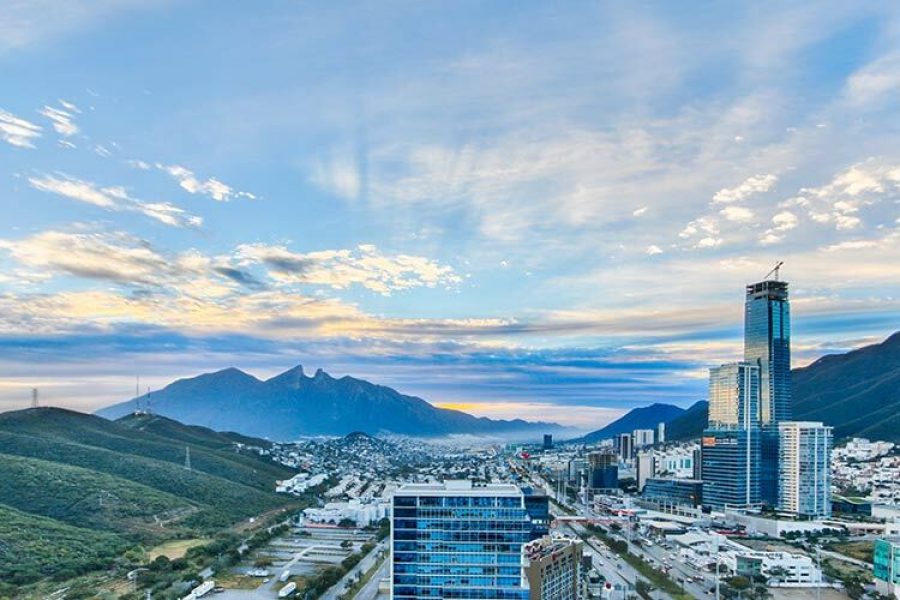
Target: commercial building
x: 784, y: 567
x: 459, y: 540
x: 886, y: 567
x: 734, y: 396
x: 767, y: 343
x: 730, y: 447
x: 554, y: 568
x: 548, y: 441
x: 671, y: 491
x: 603, y: 470
x: 730, y: 459
x: 804, y: 468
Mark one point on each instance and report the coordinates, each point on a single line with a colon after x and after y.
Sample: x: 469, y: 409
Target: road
x: 370, y: 590
x: 364, y: 565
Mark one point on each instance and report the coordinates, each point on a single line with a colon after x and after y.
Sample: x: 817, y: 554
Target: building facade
x: 678, y: 492
x: 730, y: 467
x: 886, y: 567
x: 643, y: 437
x: 553, y: 568
x: 734, y: 395
x: 459, y: 540
x: 603, y: 470
x: 645, y: 468
x: 767, y: 343
x: 804, y: 468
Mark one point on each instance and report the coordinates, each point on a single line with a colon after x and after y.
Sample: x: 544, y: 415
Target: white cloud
x: 840, y: 201
x: 875, y: 81
x: 62, y: 118
x: 753, y: 185
x: 640, y: 211
x: 737, y: 213
x: 18, y: 132
x: 654, y: 249
x: 340, y: 269
x: 340, y: 175
x: 785, y: 220
x: 709, y: 242
x: 113, y: 198
x: 211, y: 187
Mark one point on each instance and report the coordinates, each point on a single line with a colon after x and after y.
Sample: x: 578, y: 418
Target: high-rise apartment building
x: 661, y: 433
x: 643, y: 437
x: 553, y: 568
x: 804, y: 486
x: 625, y: 446
x: 459, y: 540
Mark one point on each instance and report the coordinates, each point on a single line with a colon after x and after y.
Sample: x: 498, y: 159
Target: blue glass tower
x: 458, y: 540
x: 767, y: 343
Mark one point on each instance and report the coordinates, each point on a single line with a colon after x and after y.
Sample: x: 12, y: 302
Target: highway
x: 370, y: 590
x: 364, y: 565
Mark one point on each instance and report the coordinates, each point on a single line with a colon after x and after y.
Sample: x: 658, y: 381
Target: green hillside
x: 90, y: 499
x: 166, y: 445
x: 33, y: 547
x: 77, y: 491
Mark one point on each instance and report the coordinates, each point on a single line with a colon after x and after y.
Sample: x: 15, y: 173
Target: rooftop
x: 459, y: 487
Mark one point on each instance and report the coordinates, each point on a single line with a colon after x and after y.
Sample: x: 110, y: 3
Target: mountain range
x: 645, y: 417
x: 857, y: 393
x: 293, y: 404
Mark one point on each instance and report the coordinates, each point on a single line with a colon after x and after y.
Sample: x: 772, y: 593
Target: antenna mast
x: 34, y: 397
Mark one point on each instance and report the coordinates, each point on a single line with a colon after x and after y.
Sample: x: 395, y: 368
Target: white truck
x: 287, y: 590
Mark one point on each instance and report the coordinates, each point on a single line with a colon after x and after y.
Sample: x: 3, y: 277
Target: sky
x: 520, y: 209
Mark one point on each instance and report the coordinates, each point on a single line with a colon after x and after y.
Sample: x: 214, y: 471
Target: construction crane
x: 775, y: 270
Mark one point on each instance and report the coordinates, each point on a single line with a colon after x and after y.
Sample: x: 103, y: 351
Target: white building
x: 643, y: 437
x: 362, y: 514
x: 661, y: 433
x: 804, y: 468
x: 780, y: 568
x: 645, y: 467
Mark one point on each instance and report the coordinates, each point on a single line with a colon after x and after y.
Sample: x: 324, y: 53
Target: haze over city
x: 517, y: 209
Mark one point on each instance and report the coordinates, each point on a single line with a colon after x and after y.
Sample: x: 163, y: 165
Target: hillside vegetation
x: 77, y: 491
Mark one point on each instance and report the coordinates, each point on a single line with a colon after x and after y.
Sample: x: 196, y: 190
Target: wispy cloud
x: 17, y: 131
x: 753, y: 185
x: 113, y: 198
x: 211, y: 187
x: 62, y: 119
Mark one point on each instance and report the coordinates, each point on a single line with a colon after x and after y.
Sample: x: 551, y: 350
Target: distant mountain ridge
x: 645, y: 417
x: 858, y: 393
x: 292, y: 404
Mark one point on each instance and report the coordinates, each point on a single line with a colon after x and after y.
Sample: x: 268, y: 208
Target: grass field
x: 175, y: 548
x: 858, y: 550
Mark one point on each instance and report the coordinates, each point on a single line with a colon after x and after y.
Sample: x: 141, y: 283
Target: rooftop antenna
x: 34, y: 398
x: 775, y: 270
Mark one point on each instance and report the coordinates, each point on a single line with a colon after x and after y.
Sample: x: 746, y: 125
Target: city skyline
x: 536, y: 212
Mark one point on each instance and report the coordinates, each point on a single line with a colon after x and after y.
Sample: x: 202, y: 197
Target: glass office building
x: 734, y: 395
x: 730, y: 467
x: 886, y: 567
x: 459, y: 540
x: 767, y: 343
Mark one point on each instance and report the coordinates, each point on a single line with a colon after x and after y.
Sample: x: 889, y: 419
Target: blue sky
x: 541, y: 210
